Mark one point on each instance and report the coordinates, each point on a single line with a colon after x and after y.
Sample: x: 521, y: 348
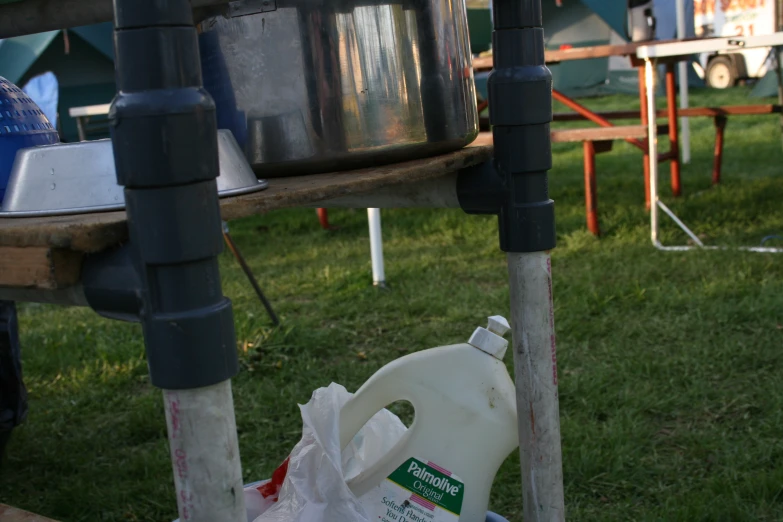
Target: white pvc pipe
x: 685, y: 128
x: 535, y: 370
x: 205, y: 454
x: 376, y: 246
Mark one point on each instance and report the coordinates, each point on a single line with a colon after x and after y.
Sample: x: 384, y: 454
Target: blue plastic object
x: 492, y: 517
x: 22, y: 124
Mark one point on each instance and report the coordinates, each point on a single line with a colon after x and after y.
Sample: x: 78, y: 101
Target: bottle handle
x: 381, y: 390
x: 377, y: 393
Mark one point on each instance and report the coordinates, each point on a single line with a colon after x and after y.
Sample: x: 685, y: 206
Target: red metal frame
x: 674, y: 136
x: 720, y: 128
x: 323, y: 218
x: 591, y: 189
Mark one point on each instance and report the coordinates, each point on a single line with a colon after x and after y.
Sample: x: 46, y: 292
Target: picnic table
x: 156, y: 262
x: 84, y: 116
x: 666, y: 53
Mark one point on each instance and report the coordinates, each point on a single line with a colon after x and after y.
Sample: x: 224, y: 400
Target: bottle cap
x: 490, y: 339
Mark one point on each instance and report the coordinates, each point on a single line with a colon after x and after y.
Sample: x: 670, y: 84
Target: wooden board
x: 553, y: 57
x: 729, y: 110
x: 98, y: 231
x: 9, y: 514
x: 599, y: 133
x: 39, y: 267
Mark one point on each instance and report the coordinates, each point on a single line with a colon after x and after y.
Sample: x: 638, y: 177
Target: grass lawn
x: 671, y: 364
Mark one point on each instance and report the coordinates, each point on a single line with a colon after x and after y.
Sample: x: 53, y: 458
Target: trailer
x: 741, y: 18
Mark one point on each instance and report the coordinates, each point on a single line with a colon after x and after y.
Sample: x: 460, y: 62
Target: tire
x: 721, y: 73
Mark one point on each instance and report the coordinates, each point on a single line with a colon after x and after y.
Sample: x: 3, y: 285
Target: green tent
x: 82, y: 60
x: 575, y: 23
x: 766, y: 87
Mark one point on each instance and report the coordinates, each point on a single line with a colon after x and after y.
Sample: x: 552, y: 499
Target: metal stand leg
x: 535, y: 368
x: 376, y: 247
x: 656, y: 202
x: 646, y: 82
x: 249, y: 274
x: 651, y: 135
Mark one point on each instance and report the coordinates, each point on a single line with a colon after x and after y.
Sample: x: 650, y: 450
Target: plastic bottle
x: 465, y: 425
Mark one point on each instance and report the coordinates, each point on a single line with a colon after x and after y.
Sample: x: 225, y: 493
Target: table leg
x: 674, y: 137
x: 535, y: 369
x: 323, y: 218
x: 376, y: 247
x: 645, y: 121
x: 720, y: 129
x: 174, y: 227
x: 80, y: 129
x: 652, y: 141
x: 591, y: 192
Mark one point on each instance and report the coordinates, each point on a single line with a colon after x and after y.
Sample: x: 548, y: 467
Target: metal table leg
x: 646, y: 119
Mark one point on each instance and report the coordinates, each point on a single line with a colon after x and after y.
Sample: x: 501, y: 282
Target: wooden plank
x: 691, y: 46
x: 98, y: 231
x: 9, y: 514
x: 609, y: 115
x: 39, y: 267
x: 89, y: 110
x: 733, y: 110
x: 596, y: 51
x: 599, y: 133
x: 552, y: 57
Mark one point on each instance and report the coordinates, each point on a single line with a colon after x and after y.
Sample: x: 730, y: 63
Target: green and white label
x: 417, y: 491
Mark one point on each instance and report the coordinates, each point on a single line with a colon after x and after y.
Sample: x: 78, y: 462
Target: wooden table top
x: 553, y: 57
x: 94, y: 232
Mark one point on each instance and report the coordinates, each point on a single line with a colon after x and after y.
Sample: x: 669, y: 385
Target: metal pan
x: 77, y: 178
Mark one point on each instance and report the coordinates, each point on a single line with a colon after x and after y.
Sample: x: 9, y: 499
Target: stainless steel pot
x: 319, y: 85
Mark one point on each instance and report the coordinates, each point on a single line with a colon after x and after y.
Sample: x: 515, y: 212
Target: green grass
x: 671, y: 364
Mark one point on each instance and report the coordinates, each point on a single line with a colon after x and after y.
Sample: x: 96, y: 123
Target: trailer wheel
x: 721, y: 73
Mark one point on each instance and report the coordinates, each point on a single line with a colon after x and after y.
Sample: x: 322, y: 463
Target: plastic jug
x: 465, y: 425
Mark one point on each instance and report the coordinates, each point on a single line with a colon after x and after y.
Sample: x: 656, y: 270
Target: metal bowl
x: 314, y: 85
x: 77, y: 178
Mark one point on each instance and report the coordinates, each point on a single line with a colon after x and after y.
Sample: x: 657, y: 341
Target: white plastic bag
x: 316, y: 471
x: 315, y: 489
